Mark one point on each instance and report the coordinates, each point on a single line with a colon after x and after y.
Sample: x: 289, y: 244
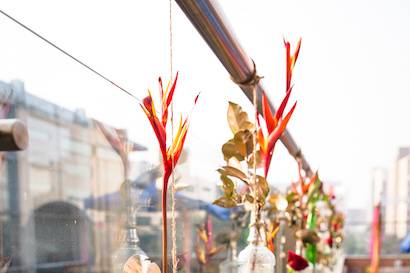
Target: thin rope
x: 173, y: 188
x: 69, y: 55
x: 254, y: 133
x: 170, y: 39
x: 257, y: 209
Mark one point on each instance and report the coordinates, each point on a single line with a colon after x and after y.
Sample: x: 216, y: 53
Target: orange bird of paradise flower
x: 276, y: 124
x: 304, y: 186
x: 171, y: 154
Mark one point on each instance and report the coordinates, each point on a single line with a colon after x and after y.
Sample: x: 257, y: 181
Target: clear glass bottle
x: 256, y: 257
x: 129, y: 249
x: 129, y: 254
x: 230, y: 264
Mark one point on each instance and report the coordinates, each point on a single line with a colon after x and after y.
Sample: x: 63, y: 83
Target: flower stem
x: 164, y: 225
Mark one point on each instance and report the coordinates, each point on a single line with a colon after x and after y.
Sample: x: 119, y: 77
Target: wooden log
x: 13, y: 135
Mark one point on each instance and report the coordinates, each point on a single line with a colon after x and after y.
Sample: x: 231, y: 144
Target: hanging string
x: 170, y: 39
x: 254, y: 133
x: 173, y: 188
x: 257, y: 208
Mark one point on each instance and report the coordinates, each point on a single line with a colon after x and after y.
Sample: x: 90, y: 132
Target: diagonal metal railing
x: 209, y: 20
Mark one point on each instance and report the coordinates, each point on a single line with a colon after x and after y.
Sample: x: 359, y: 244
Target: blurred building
x: 398, y: 193
x: 356, y: 230
x: 42, y: 189
x: 357, y: 218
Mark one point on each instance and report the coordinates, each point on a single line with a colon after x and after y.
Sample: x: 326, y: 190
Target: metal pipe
x: 209, y: 20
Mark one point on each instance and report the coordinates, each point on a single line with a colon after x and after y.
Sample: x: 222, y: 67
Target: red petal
x: 290, y: 61
x: 159, y: 130
x: 296, y: 262
x: 171, y: 92
x: 267, y: 159
x: 161, y: 89
x: 147, y: 104
x: 296, y: 54
x: 279, y: 129
x: 312, y: 180
x: 330, y: 241
x: 288, y: 65
x: 281, y: 109
x: 267, y: 114
x: 164, y: 117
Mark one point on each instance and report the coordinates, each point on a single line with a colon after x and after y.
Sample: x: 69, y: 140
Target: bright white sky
x: 352, y: 81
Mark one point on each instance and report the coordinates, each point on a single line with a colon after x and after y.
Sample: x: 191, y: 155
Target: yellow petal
x: 154, y: 112
x: 177, y: 142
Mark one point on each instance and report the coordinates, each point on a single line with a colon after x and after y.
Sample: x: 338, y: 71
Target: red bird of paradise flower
x: 171, y: 154
x: 276, y: 124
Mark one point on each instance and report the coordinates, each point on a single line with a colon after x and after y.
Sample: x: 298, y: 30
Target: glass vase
x: 256, y: 257
x: 129, y: 257
x: 129, y: 254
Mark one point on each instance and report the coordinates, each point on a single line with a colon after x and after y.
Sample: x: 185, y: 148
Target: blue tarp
x: 405, y: 245
x: 147, y: 199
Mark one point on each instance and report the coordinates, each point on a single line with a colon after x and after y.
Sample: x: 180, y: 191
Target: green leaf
x: 225, y: 202
x: 237, y: 118
x: 234, y: 172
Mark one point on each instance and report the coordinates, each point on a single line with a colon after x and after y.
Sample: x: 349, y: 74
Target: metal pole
x: 209, y: 20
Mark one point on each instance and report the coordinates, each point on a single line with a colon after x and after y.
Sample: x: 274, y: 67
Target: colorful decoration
x: 375, y: 244
x: 170, y: 154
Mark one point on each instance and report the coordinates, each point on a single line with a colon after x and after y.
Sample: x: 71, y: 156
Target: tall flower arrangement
x: 248, y: 151
x: 170, y: 153
x: 239, y: 151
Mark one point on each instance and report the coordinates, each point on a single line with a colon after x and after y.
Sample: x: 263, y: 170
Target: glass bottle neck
x: 257, y: 234
x: 131, y: 236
